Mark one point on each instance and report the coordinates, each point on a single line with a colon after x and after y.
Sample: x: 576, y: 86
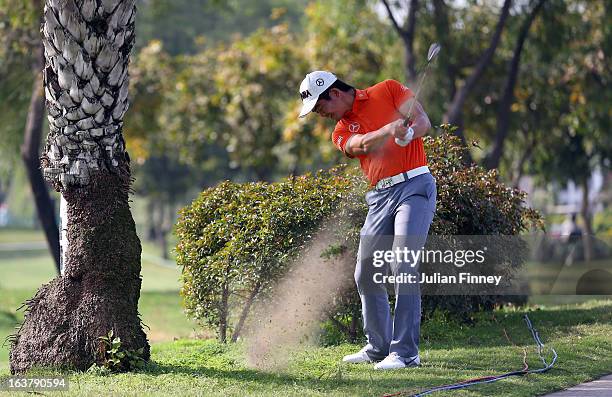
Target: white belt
x: 399, y: 178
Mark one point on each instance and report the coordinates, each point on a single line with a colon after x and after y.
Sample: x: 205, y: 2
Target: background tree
x: 87, y: 49
x: 463, y: 69
x: 162, y: 178
x: 406, y: 32
x: 184, y: 26
x: 232, y: 100
x: 455, y: 108
x: 22, y: 46
x: 504, y: 112
x: 576, y: 141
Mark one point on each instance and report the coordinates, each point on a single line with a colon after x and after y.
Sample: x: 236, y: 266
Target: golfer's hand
x: 398, y: 129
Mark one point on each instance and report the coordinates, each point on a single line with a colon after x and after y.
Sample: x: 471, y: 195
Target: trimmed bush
x: 237, y: 240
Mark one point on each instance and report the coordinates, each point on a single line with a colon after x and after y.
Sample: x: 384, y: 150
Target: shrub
x: 236, y: 240
x: 472, y: 201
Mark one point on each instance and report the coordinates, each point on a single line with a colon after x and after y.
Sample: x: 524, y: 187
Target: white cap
x: 312, y: 86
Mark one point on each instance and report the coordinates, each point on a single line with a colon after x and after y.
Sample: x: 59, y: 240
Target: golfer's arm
x: 360, y: 144
x: 420, y: 121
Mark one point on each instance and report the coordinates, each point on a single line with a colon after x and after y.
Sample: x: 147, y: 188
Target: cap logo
x: 305, y: 94
x: 319, y: 82
x: 354, y: 127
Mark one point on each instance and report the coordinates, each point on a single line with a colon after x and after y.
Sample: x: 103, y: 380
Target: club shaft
x: 414, y: 98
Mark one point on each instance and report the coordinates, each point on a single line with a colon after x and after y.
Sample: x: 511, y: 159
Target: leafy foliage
x: 229, y: 98
x: 572, y: 76
x: 184, y: 25
x: 237, y: 240
x: 471, y: 200
x: 19, y: 39
x: 115, y: 358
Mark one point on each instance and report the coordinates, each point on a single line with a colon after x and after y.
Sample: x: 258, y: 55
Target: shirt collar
x: 360, y: 96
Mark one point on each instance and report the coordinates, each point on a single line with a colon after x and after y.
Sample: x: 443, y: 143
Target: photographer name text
x: 435, y: 278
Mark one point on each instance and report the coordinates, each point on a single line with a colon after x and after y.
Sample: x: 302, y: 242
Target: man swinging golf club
x: 382, y: 126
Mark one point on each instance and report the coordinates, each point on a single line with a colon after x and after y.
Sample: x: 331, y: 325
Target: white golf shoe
x: 394, y: 361
x: 360, y: 357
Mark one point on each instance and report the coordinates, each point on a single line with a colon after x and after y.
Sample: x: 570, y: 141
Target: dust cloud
x: 289, y: 320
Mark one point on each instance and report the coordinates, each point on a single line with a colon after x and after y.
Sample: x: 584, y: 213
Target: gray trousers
x: 398, y: 217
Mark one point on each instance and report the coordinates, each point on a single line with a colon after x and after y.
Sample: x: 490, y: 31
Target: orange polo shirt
x: 373, y: 108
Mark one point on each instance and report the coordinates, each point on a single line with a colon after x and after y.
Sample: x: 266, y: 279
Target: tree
x: 454, y: 110
x: 161, y: 179
x: 503, y: 114
x: 462, y: 69
x: 406, y: 33
x: 23, y: 46
x: 87, y: 48
x: 231, y: 99
x: 184, y: 25
x: 571, y: 99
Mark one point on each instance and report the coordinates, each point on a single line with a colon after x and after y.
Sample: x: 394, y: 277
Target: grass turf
x: 23, y: 272
x: 450, y: 352
x: 580, y: 332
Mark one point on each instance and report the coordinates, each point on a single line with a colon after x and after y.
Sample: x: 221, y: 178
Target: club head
x: 433, y: 51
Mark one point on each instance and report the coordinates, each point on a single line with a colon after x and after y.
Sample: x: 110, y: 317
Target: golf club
x: 434, y: 49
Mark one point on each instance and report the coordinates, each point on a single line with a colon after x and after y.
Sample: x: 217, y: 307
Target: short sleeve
x: 340, y: 137
x: 399, y: 92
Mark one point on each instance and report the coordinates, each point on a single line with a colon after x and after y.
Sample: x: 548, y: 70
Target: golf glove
x: 406, y: 139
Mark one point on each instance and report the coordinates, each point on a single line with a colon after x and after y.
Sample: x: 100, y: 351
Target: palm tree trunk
x: 87, y: 47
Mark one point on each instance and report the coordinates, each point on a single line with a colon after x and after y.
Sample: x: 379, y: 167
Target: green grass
x: 581, y: 332
x: 10, y: 235
x: 161, y: 312
x: 450, y: 352
x: 23, y: 272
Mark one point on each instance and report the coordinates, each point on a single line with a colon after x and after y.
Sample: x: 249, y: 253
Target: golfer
x: 371, y: 126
